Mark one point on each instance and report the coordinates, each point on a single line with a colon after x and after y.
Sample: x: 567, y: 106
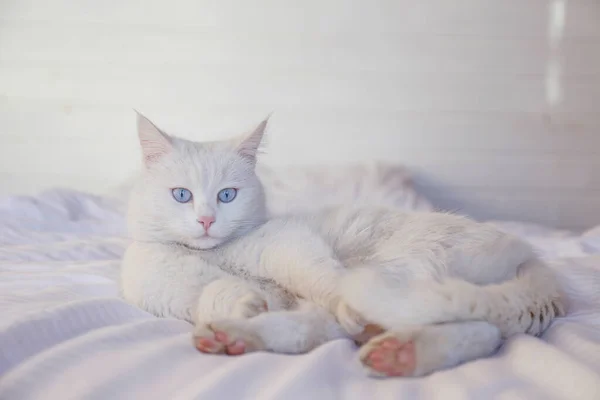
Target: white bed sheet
x: 64, y: 332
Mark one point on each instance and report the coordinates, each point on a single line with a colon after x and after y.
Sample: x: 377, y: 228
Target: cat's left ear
x: 247, y: 146
x: 153, y: 141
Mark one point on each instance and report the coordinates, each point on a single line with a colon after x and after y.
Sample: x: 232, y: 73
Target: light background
x: 494, y: 104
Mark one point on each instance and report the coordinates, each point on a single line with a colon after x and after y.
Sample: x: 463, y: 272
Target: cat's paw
x: 352, y: 322
x: 249, y: 305
x: 228, y: 299
x: 204, y: 340
x: 231, y: 337
x: 419, y: 351
x: 389, y: 355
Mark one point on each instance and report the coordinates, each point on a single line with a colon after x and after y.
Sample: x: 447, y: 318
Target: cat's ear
x: 153, y: 141
x: 247, y: 146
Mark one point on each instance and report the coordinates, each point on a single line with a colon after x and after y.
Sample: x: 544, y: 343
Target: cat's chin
x: 204, y: 243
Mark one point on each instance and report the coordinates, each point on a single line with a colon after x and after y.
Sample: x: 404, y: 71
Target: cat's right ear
x: 247, y: 145
x: 153, y: 141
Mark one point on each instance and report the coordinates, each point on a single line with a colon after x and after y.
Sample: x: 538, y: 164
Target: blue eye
x: 227, y: 195
x: 182, y: 195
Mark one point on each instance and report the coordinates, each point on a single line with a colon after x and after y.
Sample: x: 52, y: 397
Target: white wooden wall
x: 495, y: 104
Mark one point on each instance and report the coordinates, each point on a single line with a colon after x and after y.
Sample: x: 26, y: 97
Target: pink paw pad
x: 236, y: 348
x: 392, y: 357
x: 233, y: 349
x: 221, y: 337
x: 207, y: 345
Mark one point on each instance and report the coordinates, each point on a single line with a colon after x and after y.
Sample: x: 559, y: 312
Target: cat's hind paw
x: 418, y: 351
x: 389, y: 356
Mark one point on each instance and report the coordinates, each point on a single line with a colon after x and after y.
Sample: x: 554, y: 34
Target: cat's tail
x: 524, y: 304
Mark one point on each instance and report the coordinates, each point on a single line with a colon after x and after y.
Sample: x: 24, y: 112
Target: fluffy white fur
x: 442, y: 287
x: 293, y: 189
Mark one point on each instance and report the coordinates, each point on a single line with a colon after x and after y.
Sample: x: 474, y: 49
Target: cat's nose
x: 206, y: 221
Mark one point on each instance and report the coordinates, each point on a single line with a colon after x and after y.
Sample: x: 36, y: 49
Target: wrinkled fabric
x: 66, y: 334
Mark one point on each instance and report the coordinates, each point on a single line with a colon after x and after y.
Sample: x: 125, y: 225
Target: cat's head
x: 196, y: 194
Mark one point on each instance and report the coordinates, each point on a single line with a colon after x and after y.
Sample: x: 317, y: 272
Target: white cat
x: 436, y: 289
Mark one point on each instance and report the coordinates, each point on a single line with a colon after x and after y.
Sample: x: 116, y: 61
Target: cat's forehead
x: 205, y: 163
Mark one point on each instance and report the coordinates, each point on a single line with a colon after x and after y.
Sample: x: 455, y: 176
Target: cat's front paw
x: 228, y: 299
x: 231, y: 337
x: 249, y: 305
x: 205, y: 341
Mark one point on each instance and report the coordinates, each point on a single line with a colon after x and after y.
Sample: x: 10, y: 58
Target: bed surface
x: 64, y: 332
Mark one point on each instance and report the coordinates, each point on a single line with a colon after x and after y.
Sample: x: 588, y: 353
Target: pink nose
x: 206, y: 221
